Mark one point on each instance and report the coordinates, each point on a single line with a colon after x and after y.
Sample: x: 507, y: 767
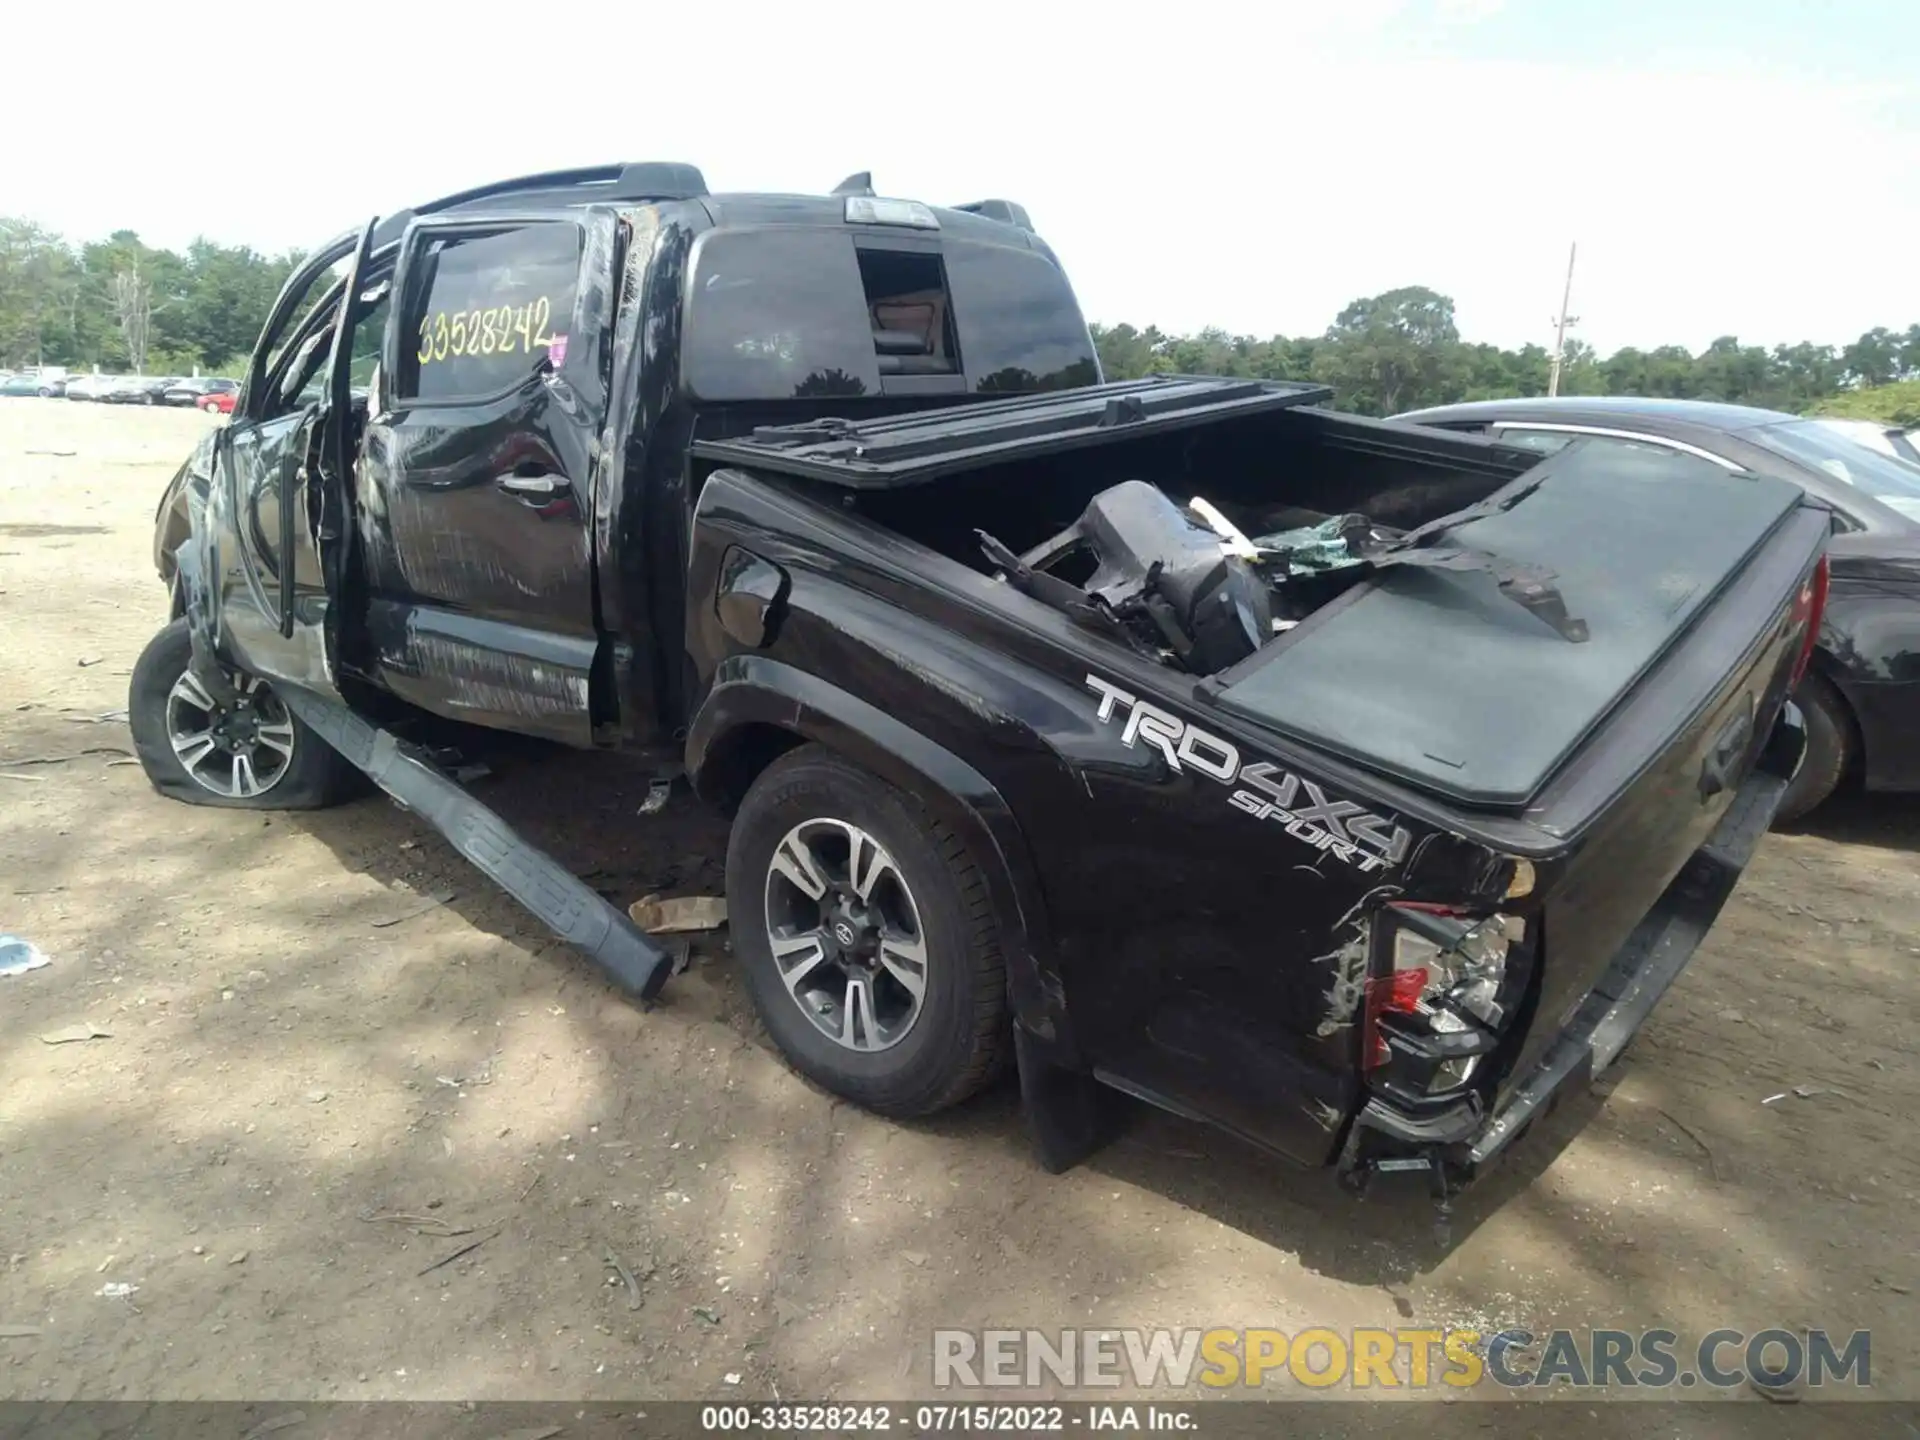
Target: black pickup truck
x: 1350, y: 785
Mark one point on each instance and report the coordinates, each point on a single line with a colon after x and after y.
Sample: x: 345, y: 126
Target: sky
x: 1744, y: 167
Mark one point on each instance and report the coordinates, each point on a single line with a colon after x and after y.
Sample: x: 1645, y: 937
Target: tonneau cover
x: 1434, y: 677
x: 880, y: 454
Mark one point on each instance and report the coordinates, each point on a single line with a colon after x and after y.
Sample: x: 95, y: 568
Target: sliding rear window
x: 798, y: 313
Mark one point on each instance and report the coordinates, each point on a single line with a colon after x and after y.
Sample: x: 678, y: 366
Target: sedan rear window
x: 1894, y: 483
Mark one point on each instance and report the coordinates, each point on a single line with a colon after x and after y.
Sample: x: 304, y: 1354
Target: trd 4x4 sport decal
x: 1347, y: 831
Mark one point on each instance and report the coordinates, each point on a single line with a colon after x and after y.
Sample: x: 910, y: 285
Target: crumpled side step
x: 569, y: 907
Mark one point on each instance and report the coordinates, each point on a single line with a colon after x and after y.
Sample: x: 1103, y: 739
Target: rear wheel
x: 868, y: 937
x: 252, y: 755
x: 1830, y: 748
x: 211, y: 407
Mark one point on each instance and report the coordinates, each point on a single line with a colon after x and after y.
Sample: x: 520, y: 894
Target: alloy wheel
x: 845, y: 933
x: 238, y: 751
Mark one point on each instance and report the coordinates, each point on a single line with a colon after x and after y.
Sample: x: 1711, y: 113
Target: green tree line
x: 120, y: 304
x: 1402, y: 350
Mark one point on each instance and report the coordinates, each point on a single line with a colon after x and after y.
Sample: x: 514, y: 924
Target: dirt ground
x: 299, y: 1056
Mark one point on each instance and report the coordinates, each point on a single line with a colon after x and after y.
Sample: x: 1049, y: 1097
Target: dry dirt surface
x: 315, y: 1082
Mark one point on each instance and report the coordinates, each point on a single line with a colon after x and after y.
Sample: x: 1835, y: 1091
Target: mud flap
x: 1070, y: 1114
x: 569, y: 907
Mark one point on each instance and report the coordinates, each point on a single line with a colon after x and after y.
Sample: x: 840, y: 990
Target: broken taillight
x: 1441, y: 970
x: 1809, y: 609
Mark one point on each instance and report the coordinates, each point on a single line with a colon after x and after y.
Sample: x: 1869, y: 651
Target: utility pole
x: 1560, y: 326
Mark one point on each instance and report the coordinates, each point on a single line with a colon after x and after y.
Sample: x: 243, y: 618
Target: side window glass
x: 306, y: 378
x: 486, y: 310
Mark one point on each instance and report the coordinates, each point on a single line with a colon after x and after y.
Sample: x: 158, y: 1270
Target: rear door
x: 476, y: 470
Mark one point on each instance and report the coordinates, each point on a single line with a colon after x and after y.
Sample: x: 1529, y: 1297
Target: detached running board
x: 570, y: 908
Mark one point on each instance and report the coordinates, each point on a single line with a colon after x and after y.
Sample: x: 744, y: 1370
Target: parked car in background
x: 1893, y: 440
x: 140, y: 389
x: 1862, y: 695
x: 192, y: 391
x: 218, y: 402
x: 90, y: 387
x: 44, y: 383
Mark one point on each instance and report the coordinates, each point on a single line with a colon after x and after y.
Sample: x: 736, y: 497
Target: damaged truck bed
x: 1352, y: 786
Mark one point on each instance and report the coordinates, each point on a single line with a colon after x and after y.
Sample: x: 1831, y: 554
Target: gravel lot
x: 287, y: 1070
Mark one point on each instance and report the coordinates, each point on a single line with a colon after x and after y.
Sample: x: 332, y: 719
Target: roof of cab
x: 652, y: 181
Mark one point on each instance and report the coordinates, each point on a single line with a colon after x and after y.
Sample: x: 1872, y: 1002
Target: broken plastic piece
x: 679, y: 915
x: 658, y: 793
x: 1233, y: 540
x: 86, y: 1030
x: 18, y: 956
x: 1158, y: 575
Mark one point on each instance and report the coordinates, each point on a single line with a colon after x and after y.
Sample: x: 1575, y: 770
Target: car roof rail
x: 859, y: 183
x: 644, y: 180
x: 661, y: 180
x: 1005, y: 211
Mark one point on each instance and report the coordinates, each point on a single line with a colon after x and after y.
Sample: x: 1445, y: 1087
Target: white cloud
x: 1467, y: 12
x: 1249, y: 165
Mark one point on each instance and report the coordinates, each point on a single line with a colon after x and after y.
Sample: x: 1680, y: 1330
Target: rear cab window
x: 804, y: 312
x: 485, y: 310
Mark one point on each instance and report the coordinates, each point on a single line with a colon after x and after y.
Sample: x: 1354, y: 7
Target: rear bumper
x: 1464, y: 1135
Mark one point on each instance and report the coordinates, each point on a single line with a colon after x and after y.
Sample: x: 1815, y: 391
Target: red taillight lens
x: 1809, y: 608
x: 1436, y: 963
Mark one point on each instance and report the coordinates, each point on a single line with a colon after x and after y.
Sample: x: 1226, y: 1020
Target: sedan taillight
x: 1809, y: 609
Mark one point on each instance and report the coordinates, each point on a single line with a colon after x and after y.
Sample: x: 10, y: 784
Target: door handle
x: 534, y: 487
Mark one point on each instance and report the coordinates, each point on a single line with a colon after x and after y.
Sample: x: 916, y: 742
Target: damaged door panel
x: 477, y: 471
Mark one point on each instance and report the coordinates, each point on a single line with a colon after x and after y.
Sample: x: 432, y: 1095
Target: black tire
x: 314, y: 777
x: 1830, y: 748
x: 961, y: 1038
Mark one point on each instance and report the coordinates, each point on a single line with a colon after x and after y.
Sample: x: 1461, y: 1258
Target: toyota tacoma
x: 1350, y: 785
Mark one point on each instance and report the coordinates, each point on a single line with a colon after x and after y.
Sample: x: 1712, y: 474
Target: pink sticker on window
x: 557, y: 351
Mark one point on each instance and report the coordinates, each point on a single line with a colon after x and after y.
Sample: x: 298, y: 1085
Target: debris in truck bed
x: 1187, y: 588
x: 1332, y: 544
x: 1160, y: 579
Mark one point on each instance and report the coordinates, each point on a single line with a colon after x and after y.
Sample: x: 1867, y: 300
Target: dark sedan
x: 140, y: 390
x: 1862, y: 699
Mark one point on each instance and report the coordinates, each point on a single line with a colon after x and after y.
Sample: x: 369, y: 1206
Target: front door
x: 475, y: 475
x: 277, y: 502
